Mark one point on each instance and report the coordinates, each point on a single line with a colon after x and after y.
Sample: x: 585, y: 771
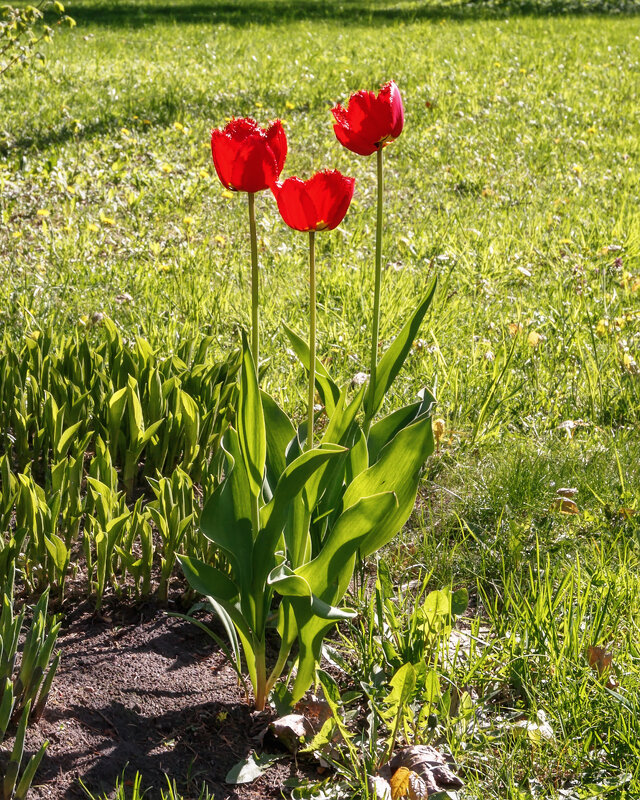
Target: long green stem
x: 375, y: 333
x: 255, y: 336
x: 312, y: 335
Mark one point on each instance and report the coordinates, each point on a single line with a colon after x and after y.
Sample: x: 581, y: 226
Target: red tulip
x: 318, y: 204
x: 370, y: 122
x: 248, y: 158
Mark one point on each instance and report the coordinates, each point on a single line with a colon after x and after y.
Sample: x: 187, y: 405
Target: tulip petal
x: 294, y: 204
x: 331, y: 193
x: 223, y: 152
x: 248, y: 158
x: 277, y: 140
x: 254, y: 167
x: 391, y: 94
x: 370, y: 121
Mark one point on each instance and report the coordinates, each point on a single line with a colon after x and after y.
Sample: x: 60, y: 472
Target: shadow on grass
x: 266, y: 12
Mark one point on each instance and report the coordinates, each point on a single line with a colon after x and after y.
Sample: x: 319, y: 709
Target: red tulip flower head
x: 318, y: 204
x: 370, y: 121
x: 248, y: 158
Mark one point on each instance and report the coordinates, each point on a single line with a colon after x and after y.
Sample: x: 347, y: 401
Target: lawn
x: 515, y: 182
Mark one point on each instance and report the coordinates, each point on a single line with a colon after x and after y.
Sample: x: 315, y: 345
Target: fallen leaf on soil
x: 407, y: 783
x: 429, y: 765
x: 292, y: 730
x: 251, y: 768
x: 379, y: 788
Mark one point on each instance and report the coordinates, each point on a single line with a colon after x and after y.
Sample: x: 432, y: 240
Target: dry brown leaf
x: 293, y: 730
x: 407, y: 783
x: 379, y: 787
x: 565, y: 506
x: 568, y: 492
x: 598, y: 658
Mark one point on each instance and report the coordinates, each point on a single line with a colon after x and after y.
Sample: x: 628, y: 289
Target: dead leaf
x: 379, y: 788
x: 428, y: 764
x: 407, y: 783
x: 567, y: 492
x: 598, y: 658
x: 316, y: 712
x: 565, y: 506
x: 293, y: 730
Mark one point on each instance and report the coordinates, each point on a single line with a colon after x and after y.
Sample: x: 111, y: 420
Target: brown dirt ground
x: 139, y: 690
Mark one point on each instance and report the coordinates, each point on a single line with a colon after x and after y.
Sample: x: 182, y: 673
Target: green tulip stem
x: 312, y: 335
x: 255, y: 336
x: 375, y: 333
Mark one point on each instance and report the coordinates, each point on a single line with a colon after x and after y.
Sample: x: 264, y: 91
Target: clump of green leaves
x: 24, y: 689
x: 22, y: 30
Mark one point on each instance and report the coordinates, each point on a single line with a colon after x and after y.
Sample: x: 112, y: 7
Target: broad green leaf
x: 392, y: 361
x: 251, y: 768
x: 64, y: 442
x: 383, y: 431
x: 289, y: 487
x: 136, y: 418
x: 279, y: 432
x: 57, y: 551
x: 397, y: 470
x: 285, y: 581
x: 459, y: 601
x: 226, y: 516
x: 343, y: 416
x: 250, y: 420
x: 328, y: 390
x: 207, y: 580
x: 329, y: 575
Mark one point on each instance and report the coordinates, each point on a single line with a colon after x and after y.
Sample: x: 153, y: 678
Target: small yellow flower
x: 92, y: 227
x: 258, y: 105
x: 534, y: 338
x: 602, y: 327
x: 166, y: 168
x: 577, y: 169
x: 43, y: 212
x: 204, y: 174
x: 125, y: 131
x: 514, y: 329
x: 219, y: 240
x: 289, y: 105
x: 188, y: 221
x: 178, y: 126
x: 107, y: 220
x: 164, y: 268
x: 629, y: 363
x: 227, y: 194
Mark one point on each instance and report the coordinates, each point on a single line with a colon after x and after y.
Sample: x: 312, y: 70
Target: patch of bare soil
x: 140, y: 690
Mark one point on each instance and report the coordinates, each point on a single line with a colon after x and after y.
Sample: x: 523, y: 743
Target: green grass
x: 515, y: 181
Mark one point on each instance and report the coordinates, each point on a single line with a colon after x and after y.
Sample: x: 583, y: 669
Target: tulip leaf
x: 285, y: 581
x: 226, y: 516
x: 328, y: 390
x: 329, y: 575
x: 397, y: 470
x: 280, y: 432
x: 392, y: 361
x: 290, y: 486
x: 383, y: 431
x: 250, y: 420
x: 207, y: 580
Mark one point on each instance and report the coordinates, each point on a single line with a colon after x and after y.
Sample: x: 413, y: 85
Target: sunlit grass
x: 515, y: 181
